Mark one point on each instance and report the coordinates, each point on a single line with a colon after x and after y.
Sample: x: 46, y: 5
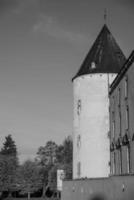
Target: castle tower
x: 91, y: 157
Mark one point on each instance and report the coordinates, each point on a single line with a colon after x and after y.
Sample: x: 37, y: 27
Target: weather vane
x: 105, y: 15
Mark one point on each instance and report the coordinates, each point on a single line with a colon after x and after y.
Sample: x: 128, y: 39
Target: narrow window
x: 126, y: 87
x: 78, y: 107
x: 79, y: 169
x: 120, y: 124
x: 127, y: 118
x: 78, y: 141
x: 114, y: 162
x: 119, y: 109
x: 120, y: 161
x: 119, y: 98
x: 128, y: 159
x: 113, y: 119
x: 113, y: 125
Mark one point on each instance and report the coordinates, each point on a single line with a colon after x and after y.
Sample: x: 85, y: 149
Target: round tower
x: 91, y: 156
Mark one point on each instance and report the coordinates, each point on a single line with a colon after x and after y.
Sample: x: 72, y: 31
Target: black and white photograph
x: 66, y: 99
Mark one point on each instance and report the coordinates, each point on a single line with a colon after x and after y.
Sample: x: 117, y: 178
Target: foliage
x: 29, y: 177
x: 64, y: 156
x: 60, y: 154
x: 52, y: 177
x: 64, y: 161
x: 47, y: 154
x: 52, y: 157
x: 64, y: 151
x: 9, y: 147
x: 8, y: 165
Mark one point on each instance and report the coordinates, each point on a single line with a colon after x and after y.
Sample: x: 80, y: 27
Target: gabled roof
x: 105, y: 56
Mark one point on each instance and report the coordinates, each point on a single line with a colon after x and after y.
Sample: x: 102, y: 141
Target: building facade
x: 91, y: 157
x: 122, y: 120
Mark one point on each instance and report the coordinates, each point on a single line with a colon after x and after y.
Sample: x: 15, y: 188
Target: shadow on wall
x: 97, y: 197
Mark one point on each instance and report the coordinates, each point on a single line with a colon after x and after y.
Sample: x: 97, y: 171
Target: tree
x: 8, y: 165
x: 9, y: 147
x: 60, y: 154
x: 47, y: 154
x: 63, y: 161
x: 46, y: 158
x: 29, y: 178
x: 64, y: 156
x: 52, y: 178
x: 53, y: 157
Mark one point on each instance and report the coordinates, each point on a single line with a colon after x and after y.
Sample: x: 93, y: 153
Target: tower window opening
x: 79, y: 107
x: 78, y: 141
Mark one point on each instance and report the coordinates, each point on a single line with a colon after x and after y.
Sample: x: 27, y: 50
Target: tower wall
x: 91, y: 155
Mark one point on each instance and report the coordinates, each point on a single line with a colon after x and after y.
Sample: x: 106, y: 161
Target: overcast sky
x: 42, y: 45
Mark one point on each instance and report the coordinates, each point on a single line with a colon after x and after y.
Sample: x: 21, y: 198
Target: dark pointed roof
x: 105, y: 56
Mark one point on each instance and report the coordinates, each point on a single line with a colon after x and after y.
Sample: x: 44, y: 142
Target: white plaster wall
x: 92, y: 124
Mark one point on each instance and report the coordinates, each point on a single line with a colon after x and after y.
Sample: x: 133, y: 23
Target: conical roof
x: 105, y: 56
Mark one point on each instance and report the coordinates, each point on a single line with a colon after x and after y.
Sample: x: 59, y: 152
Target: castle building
x: 91, y: 155
x: 121, y: 96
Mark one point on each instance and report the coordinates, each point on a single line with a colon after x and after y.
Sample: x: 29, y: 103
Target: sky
x: 42, y: 45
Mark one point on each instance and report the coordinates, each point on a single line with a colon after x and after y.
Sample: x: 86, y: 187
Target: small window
x: 79, y: 107
x: 78, y: 141
x: 93, y: 66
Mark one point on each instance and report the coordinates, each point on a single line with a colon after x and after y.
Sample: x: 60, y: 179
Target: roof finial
x: 105, y: 16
